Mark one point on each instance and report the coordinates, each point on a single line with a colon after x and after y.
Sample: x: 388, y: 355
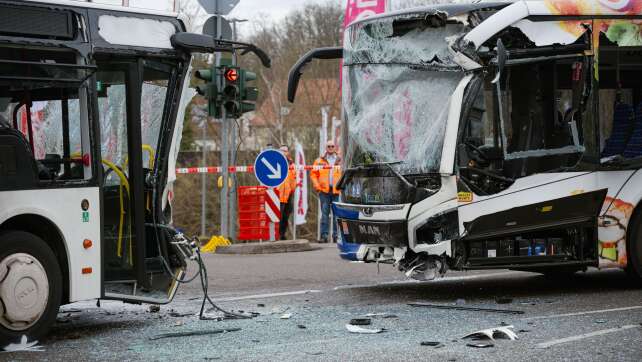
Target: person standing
x: 286, y: 191
x: 324, y: 180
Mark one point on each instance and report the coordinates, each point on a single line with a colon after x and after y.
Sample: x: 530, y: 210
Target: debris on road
x: 356, y: 329
x: 260, y: 305
x: 382, y: 315
x: 490, y: 333
x: 360, y: 321
x: 600, y: 321
x: 432, y: 344
x: 24, y: 346
x: 301, y: 326
x: 154, y: 308
x: 480, y: 345
x: 474, y: 309
x: 286, y: 316
x: 193, y: 333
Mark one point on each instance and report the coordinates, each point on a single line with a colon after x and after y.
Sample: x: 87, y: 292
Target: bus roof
x: 450, y: 9
x: 84, y: 4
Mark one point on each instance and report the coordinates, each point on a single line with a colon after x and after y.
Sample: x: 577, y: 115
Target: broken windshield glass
x: 403, y: 39
x: 397, y: 114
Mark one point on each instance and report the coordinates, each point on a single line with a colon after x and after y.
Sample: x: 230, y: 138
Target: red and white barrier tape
x: 239, y: 169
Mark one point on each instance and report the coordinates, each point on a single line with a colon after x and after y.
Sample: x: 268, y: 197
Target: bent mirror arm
x: 297, y: 69
x: 200, y: 43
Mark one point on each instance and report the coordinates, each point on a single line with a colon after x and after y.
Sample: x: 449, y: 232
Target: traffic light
x: 237, y: 97
x: 249, y: 94
x: 209, y: 90
x: 231, y: 91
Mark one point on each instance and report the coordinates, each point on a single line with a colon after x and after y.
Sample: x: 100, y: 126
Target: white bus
x: 493, y: 135
x: 91, y: 107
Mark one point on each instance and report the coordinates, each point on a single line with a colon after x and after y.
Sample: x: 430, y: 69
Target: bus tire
x: 634, y: 249
x: 30, y: 287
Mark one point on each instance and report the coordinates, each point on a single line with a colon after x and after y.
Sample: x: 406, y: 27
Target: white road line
x: 586, y: 335
x: 412, y: 281
x: 267, y: 295
x: 586, y: 312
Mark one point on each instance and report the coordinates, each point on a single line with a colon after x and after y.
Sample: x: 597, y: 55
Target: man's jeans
x: 326, y: 207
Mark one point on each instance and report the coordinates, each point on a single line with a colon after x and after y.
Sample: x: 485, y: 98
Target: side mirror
x: 199, y: 43
x: 297, y: 69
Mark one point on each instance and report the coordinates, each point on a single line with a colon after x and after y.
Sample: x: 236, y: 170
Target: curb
x: 267, y: 247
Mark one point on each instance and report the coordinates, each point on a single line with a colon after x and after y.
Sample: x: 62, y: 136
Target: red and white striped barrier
x: 272, y: 205
x: 240, y: 169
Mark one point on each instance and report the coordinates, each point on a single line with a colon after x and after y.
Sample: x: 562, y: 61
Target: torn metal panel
x: 552, y: 32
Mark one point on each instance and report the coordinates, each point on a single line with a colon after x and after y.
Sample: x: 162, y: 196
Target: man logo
x: 368, y: 211
x: 369, y: 230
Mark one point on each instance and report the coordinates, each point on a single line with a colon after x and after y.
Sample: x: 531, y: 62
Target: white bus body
x: 92, y: 99
x: 493, y: 135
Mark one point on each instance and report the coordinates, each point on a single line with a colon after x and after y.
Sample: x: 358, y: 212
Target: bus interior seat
x: 18, y: 167
x: 623, y: 116
x: 634, y: 146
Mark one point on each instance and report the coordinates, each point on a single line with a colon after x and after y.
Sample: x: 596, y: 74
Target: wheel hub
x: 24, y: 291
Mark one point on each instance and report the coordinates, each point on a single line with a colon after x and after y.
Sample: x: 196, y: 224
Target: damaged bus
x: 92, y: 99
x: 493, y: 135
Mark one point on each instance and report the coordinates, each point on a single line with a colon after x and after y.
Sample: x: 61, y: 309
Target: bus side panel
x: 64, y: 208
x: 616, y: 213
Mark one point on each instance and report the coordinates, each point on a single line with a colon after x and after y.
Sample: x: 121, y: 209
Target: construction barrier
x: 259, y: 213
x: 241, y: 169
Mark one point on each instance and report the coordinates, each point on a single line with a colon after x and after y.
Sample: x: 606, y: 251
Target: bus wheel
x: 634, y: 249
x: 30, y: 286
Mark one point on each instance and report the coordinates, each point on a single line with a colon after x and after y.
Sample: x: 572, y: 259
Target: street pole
x: 225, y: 137
x: 233, y: 144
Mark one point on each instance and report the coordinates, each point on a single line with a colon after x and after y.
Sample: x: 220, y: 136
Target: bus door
x: 132, y: 97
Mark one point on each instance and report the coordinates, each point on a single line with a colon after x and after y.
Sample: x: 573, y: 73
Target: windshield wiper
x: 379, y: 163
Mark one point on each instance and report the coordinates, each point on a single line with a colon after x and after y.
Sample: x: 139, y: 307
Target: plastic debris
x: 490, y: 333
x: 286, y: 316
x: 360, y: 321
x: 154, y: 308
x: 480, y: 345
x: 475, y: 309
x: 194, y: 333
x: 432, y: 344
x: 382, y: 315
x: 24, y: 346
x: 361, y: 330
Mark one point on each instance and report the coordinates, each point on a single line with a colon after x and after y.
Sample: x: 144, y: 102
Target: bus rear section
x: 87, y: 137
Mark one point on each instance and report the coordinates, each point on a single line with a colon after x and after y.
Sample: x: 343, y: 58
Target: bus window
x: 50, y: 115
x: 156, y: 78
x: 620, y: 97
x: 542, y: 115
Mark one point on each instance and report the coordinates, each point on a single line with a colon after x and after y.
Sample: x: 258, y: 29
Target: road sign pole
x: 225, y: 136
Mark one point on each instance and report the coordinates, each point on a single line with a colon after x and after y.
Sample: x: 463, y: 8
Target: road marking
x: 587, y: 312
x: 267, y: 295
x: 586, y: 335
x: 412, y: 281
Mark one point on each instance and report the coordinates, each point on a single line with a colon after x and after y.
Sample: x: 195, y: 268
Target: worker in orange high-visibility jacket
x: 325, y: 182
x: 286, y: 193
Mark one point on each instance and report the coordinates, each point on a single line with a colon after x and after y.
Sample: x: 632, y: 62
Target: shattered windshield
x: 397, y: 87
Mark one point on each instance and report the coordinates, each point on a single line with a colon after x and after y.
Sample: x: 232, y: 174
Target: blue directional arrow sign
x: 271, y: 168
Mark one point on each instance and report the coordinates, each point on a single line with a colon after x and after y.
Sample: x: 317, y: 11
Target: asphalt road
x: 593, y: 316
